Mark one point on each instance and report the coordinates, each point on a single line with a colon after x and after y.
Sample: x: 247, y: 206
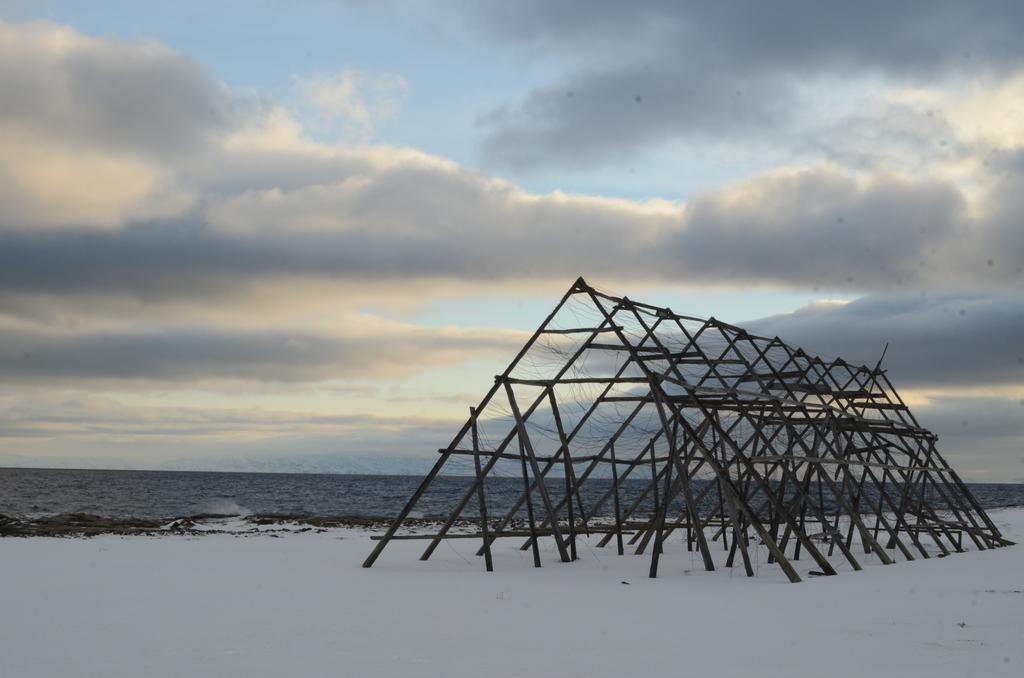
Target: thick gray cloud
x: 602, y: 117
x: 816, y: 227
x: 914, y: 37
x: 651, y: 71
x: 138, y: 97
x: 941, y: 340
x: 822, y: 228
x: 213, y: 354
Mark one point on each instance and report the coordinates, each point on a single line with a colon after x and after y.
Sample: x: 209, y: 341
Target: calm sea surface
x: 29, y: 493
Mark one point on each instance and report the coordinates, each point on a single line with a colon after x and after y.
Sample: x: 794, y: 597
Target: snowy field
x: 301, y: 605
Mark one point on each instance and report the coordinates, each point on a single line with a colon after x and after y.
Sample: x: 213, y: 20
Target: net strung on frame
x: 631, y: 424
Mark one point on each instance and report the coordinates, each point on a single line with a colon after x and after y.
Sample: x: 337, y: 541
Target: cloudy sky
x: 306, y: 235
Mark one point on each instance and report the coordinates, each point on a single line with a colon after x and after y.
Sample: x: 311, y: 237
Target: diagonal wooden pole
x: 567, y: 471
x: 542, y: 488
x: 618, y: 512
x: 529, y: 503
x: 489, y: 564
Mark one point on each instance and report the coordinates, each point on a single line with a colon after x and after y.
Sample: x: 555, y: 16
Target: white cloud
x: 353, y: 102
x: 51, y: 185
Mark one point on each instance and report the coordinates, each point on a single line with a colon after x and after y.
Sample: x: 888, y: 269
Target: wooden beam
x: 488, y: 563
x: 524, y: 439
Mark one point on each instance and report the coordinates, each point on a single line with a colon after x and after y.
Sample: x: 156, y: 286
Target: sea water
x: 30, y: 493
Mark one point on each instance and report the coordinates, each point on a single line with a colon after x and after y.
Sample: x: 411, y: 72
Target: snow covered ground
x: 300, y: 605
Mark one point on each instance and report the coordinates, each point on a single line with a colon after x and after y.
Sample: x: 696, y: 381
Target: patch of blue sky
x: 676, y: 170
x: 526, y: 311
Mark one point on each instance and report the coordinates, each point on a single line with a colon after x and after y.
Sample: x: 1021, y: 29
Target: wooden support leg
x: 673, y: 450
x: 524, y: 439
x: 567, y: 470
x: 489, y: 564
x: 618, y: 513
x: 529, y: 505
x: 738, y: 537
x: 654, y: 480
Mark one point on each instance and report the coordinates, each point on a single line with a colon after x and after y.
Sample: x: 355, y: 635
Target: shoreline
x: 85, y: 525
x: 82, y: 525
